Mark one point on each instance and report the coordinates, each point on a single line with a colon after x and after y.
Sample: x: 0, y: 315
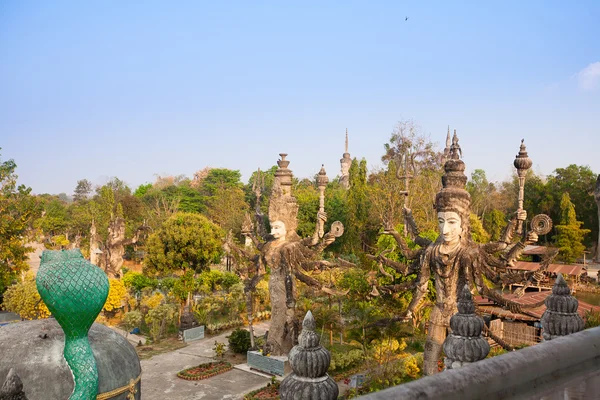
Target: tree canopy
x: 185, y: 241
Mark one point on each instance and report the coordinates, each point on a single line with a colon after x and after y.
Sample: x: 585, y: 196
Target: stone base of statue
x: 273, y: 365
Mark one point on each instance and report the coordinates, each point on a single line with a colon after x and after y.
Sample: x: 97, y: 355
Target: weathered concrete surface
x: 35, y: 350
x: 160, y: 379
x: 551, y: 370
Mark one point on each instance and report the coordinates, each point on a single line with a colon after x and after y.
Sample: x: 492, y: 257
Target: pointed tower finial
x: 346, y: 148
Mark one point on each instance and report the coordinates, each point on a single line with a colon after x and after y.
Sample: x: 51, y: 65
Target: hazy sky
x: 133, y: 89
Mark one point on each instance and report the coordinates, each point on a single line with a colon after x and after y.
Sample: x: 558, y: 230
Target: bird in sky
x: 406, y: 19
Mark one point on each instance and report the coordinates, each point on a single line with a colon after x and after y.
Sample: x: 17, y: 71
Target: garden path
x: 160, y: 381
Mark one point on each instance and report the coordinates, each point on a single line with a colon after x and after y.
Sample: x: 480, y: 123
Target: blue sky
x: 133, y: 89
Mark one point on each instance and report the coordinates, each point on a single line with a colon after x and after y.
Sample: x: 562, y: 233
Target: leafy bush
x: 219, y: 349
x: 117, y: 295
x: 138, y: 281
x: 239, y: 341
x: 158, y: 318
x: 132, y: 319
x: 345, y: 360
x: 592, y: 319
x: 23, y: 298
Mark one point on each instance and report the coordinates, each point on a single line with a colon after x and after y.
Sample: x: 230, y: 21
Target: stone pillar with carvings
x: 561, y: 317
x: 345, y: 162
x: 310, y: 362
x: 465, y: 344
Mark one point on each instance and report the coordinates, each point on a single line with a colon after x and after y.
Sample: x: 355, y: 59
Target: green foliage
x: 307, y: 196
x: 131, y: 320
x: 185, y: 241
x: 23, y: 298
x: 494, y: 223
x: 138, y: 281
x: 570, y: 234
x: 344, y: 360
x: 478, y: 234
x: 592, y: 319
x: 239, y: 341
x: 356, y: 234
x: 184, y: 286
x: 219, y: 349
x: 82, y: 190
x: 18, y: 209
x: 158, y: 318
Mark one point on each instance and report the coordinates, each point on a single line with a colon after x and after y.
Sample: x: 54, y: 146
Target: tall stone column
x: 597, y: 198
x: 465, y: 344
x: 561, y: 317
x: 310, y: 362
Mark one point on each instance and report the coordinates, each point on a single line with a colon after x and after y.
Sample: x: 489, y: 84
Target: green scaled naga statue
x: 75, y: 292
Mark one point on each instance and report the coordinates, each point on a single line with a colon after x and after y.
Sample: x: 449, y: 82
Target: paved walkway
x: 160, y: 381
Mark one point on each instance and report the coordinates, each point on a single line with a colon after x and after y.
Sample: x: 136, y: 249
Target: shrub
x: 23, y: 298
x: 116, y: 295
x: 239, y: 341
x: 345, y: 360
x: 138, y: 281
x: 219, y: 349
x: 158, y: 318
x: 132, y: 319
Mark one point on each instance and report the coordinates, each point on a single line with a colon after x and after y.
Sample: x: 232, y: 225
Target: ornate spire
x: 561, y: 317
x: 282, y: 205
x: 345, y: 163
x: 309, y: 361
x: 346, y: 147
x: 465, y: 344
x: 453, y: 196
x: 12, y: 389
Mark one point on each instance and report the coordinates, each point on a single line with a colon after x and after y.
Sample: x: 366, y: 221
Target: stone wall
x: 565, y: 367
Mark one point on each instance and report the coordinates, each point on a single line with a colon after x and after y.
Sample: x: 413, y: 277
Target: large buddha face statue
x: 278, y: 230
x: 450, y: 225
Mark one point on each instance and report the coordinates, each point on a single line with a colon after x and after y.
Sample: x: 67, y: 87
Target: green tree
x: 494, y: 223
x: 82, y: 190
x: 570, y: 234
x: 18, y: 210
x: 579, y: 182
x: 185, y: 241
x: 307, y: 196
x: 355, y: 236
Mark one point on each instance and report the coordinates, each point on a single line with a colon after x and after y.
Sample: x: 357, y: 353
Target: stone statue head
x: 450, y: 225
x: 278, y: 230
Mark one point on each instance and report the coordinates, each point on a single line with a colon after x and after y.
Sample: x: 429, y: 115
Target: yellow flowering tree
x: 23, y: 298
x: 117, y: 295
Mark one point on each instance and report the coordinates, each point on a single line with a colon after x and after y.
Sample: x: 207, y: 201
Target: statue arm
x: 381, y: 258
x: 420, y: 289
x: 404, y: 249
x: 310, y: 281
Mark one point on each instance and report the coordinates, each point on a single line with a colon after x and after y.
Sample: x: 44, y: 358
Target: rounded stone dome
x: 34, y: 349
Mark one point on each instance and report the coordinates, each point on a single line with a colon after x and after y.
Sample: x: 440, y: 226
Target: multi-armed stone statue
x: 310, y: 362
x: 454, y: 259
x: 288, y: 256
x: 465, y: 344
x: 561, y: 317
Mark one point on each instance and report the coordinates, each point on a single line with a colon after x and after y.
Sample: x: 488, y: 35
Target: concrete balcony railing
x: 564, y: 368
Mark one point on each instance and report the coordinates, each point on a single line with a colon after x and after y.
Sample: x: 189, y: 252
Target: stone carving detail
x: 309, y: 361
x: 12, y: 389
x: 465, y: 344
x: 561, y: 317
